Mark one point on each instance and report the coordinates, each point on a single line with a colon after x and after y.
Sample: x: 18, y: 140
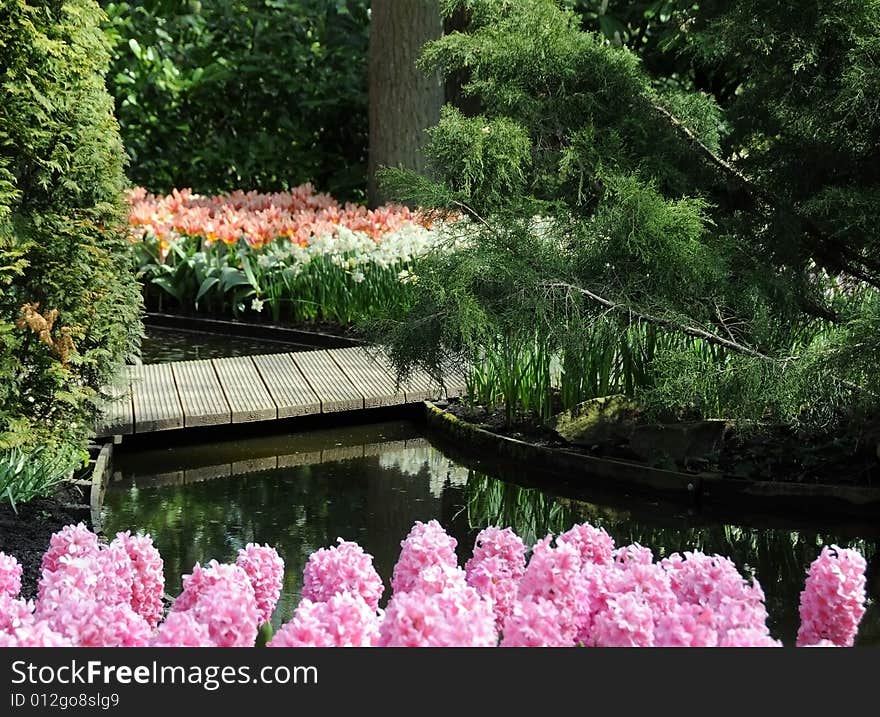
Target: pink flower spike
x: 344, y: 568
x: 181, y: 629
x: 36, y: 634
x: 75, y: 541
x: 15, y: 613
x: 265, y: 569
x: 535, y: 622
x: 345, y: 620
x: 593, y: 544
x: 427, y: 545
x: 833, y: 600
x: 222, y: 598
x: 456, y: 618
x: 10, y: 576
x: 148, y: 580
x: 496, y: 568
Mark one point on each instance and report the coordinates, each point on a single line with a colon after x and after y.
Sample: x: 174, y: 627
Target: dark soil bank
x: 26, y: 535
x: 771, y: 453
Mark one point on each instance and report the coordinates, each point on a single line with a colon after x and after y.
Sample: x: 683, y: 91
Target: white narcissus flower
x: 257, y: 305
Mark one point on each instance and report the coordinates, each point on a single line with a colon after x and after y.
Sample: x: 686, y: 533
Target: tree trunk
x: 404, y: 102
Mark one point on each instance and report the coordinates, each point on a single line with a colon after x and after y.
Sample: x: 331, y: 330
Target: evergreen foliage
x: 69, y: 305
x: 717, y: 252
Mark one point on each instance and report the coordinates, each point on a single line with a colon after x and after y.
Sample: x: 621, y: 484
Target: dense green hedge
x: 252, y: 94
x: 69, y: 305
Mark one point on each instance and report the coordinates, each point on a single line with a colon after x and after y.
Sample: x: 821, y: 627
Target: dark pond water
x: 370, y: 483
x: 162, y: 345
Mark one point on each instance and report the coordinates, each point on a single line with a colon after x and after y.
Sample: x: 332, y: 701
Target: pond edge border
x: 100, y: 477
x: 246, y: 329
x: 696, y: 489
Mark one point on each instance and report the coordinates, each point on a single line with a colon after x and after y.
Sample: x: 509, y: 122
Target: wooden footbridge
x: 211, y: 392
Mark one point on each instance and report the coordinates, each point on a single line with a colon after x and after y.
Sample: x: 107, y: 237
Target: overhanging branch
x: 694, y: 331
x: 684, y: 328
x: 827, y: 250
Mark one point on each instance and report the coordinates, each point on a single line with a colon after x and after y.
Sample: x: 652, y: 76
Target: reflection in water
x: 413, y: 461
x: 369, y: 484
x: 162, y: 345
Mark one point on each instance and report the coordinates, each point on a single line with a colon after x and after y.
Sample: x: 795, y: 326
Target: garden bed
x: 525, y: 443
x: 26, y: 533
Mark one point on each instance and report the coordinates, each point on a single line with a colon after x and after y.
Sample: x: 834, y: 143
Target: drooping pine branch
x: 828, y: 251
x: 680, y: 327
x: 684, y: 328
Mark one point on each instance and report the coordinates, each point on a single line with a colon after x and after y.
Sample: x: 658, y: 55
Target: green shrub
x: 253, y: 94
x: 69, y: 304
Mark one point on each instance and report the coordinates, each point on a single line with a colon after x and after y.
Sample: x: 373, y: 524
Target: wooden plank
x: 154, y: 395
x: 255, y: 388
x: 418, y: 386
x: 248, y: 398
x: 288, y: 387
x: 455, y: 383
x: 118, y: 415
x: 377, y: 449
x: 376, y: 384
x: 203, y: 473
x: 294, y: 460
x: 342, y: 453
x: 331, y: 385
x: 201, y: 397
x: 254, y: 465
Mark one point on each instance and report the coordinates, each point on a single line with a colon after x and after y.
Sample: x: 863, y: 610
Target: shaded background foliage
x: 251, y: 94
x: 267, y: 94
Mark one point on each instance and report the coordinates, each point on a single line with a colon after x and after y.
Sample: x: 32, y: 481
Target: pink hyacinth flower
x: 593, y: 544
x: 181, y: 629
x: 10, y: 576
x: 427, y: 545
x: 75, y: 541
x: 555, y: 574
x: 265, y: 569
x: 91, y: 623
x: 496, y: 568
x: 833, y: 600
x: 148, y: 579
x: 456, y: 618
x: 345, y: 620
x: 535, y: 622
x: 222, y: 598
x: 626, y: 621
x: 15, y: 613
x: 747, y: 637
x: 343, y: 568
x: 36, y: 634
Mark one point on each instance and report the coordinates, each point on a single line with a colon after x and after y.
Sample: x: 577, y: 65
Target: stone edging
x: 697, y: 489
x: 100, y: 476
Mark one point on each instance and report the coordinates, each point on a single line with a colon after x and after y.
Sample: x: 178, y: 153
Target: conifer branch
x: 687, y: 329
x: 828, y: 249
